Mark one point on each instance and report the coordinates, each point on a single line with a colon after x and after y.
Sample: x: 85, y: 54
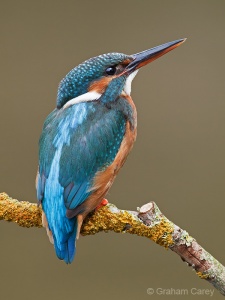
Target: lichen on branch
x: 23, y: 213
x: 148, y: 222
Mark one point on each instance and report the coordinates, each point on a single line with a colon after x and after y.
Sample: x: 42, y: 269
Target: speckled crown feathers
x: 77, y: 81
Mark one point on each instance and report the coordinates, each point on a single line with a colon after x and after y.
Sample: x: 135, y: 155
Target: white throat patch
x: 127, y: 86
x: 90, y: 96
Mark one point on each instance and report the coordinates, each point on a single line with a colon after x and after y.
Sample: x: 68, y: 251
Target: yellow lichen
x: 202, y: 276
x: 104, y: 219
x: 21, y: 212
x: 108, y: 218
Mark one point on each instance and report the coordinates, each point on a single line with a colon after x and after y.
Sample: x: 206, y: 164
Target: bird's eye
x: 110, y: 70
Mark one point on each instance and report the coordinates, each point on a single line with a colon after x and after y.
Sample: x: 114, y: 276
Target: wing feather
x: 87, y: 136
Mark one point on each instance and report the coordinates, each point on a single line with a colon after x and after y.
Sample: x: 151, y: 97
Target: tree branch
x: 148, y: 222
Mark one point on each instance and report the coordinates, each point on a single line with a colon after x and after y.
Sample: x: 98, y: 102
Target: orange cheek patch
x: 100, y: 85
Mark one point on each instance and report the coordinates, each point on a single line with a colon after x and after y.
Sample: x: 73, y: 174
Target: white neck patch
x: 127, y: 86
x: 90, y: 96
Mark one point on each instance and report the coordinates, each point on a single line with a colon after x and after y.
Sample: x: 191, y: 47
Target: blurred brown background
x: 178, y: 159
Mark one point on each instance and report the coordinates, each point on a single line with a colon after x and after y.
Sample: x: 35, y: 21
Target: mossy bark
x: 148, y: 222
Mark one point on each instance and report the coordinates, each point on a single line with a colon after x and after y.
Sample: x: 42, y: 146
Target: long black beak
x: 145, y: 57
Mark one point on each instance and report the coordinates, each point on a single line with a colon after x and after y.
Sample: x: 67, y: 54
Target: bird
x: 85, y: 141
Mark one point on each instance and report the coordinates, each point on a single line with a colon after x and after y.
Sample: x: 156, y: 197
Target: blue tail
x: 66, y: 250
x: 63, y: 230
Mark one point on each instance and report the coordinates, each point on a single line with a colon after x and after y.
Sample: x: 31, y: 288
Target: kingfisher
x: 85, y: 141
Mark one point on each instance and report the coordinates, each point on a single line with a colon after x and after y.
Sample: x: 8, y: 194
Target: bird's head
x: 106, y: 76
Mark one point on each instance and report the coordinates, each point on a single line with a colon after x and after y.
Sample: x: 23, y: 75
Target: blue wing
x: 93, y: 146
x: 86, y: 137
x: 75, y: 144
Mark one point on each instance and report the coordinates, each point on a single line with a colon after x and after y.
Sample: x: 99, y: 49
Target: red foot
x: 103, y: 203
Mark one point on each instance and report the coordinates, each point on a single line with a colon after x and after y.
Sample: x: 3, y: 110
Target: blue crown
x: 77, y: 81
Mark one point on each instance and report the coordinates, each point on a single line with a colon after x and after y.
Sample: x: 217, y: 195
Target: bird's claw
x: 104, y: 202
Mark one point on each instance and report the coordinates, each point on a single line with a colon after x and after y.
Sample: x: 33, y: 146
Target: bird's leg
x: 104, y: 202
